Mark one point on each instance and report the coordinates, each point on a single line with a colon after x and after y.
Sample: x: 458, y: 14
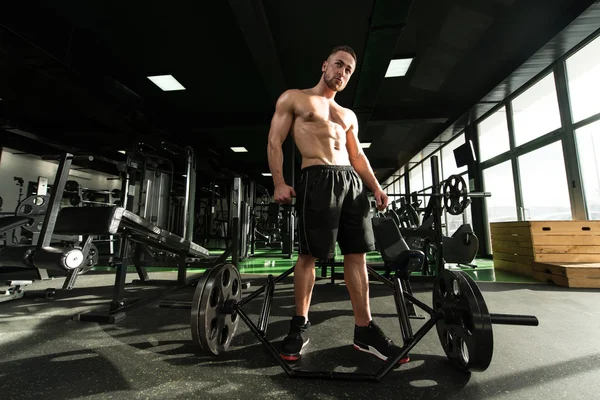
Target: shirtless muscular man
x: 331, y: 199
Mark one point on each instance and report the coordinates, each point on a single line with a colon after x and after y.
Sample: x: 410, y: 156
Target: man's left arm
x: 358, y: 158
x: 361, y: 164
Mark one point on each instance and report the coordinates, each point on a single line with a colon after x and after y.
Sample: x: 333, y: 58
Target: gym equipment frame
x: 459, y: 312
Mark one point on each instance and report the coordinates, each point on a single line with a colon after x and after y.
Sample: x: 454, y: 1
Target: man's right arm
x: 280, y: 127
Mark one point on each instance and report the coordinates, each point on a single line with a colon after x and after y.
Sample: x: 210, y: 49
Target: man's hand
x: 283, y: 194
x: 381, y: 199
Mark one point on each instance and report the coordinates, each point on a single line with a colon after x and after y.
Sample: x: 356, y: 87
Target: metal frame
x: 235, y: 212
x: 571, y: 158
x: 190, y: 195
x: 410, y: 341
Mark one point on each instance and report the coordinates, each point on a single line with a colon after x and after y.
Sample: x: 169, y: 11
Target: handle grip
x: 479, y: 194
x: 510, y: 319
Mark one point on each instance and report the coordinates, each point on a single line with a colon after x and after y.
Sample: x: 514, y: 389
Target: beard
x: 333, y: 84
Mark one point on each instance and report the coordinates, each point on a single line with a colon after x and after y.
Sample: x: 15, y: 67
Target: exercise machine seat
x: 462, y: 247
x: 393, y: 248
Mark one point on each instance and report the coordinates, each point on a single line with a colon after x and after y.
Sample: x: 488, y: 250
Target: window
x: 387, y: 185
x: 501, y: 206
x: 544, y: 184
x: 416, y: 178
x: 427, y: 182
x: 453, y: 222
x: 395, y: 188
x: 535, y: 112
x: 583, y: 74
x: 400, y: 186
x: 498, y: 180
x: 448, y: 162
x: 390, y: 188
x: 588, y: 148
x: 493, y: 135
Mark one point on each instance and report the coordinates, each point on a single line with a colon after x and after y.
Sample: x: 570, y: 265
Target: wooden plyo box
x: 561, y: 249
x: 570, y: 275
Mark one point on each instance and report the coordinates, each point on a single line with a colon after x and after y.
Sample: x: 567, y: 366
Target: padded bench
x: 393, y: 248
x: 114, y: 220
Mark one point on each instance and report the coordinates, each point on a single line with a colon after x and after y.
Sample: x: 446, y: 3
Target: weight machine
x: 240, y: 201
x: 461, y: 247
x: 278, y: 230
x: 147, y: 182
x: 89, y: 222
x: 38, y: 214
x: 132, y: 232
x: 26, y: 224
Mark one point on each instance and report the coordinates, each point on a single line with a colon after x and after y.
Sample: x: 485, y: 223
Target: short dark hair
x: 344, y: 48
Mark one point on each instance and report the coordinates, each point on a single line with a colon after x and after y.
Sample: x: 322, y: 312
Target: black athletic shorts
x: 332, y: 204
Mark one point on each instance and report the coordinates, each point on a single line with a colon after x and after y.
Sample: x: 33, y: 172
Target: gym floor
x: 150, y: 354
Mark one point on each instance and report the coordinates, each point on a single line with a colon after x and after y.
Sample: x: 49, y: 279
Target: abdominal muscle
x: 320, y: 143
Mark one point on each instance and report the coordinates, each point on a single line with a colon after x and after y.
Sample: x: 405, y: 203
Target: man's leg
x: 304, y: 280
x: 357, y: 282
x: 318, y: 216
x: 368, y: 337
x: 356, y: 238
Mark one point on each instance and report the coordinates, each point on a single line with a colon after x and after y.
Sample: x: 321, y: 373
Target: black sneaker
x: 294, y: 342
x: 371, y: 339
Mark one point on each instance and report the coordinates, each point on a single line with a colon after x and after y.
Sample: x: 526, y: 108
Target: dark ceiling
x: 75, y: 72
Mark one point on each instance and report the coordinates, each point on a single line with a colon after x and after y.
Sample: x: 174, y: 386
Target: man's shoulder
x: 348, y: 111
x: 294, y: 93
x: 292, y: 98
x: 290, y: 95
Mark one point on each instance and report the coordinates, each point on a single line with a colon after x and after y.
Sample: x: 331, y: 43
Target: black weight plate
x: 34, y: 208
x: 465, y: 332
x: 455, y: 194
x: 213, y: 329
